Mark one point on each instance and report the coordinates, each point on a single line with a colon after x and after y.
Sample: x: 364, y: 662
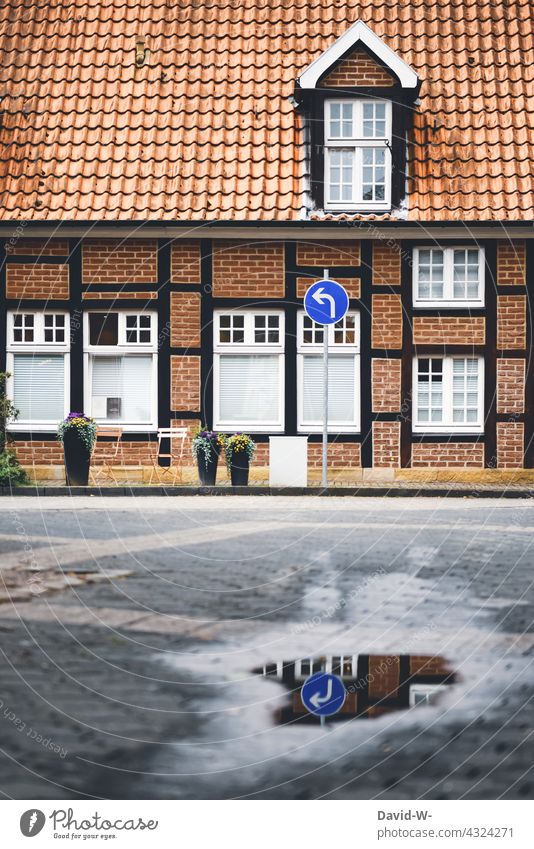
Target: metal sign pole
x: 324, y: 481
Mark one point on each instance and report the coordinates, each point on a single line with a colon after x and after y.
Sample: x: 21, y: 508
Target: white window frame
x: 357, y: 143
x: 122, y: 348
x: 335, y: 348
x: 448, y: 425
x: 248, y: 346
x: 448, y: 299
x: 38, y: 346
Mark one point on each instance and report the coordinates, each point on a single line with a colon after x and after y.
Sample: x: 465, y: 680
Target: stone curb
x: 363, y: 492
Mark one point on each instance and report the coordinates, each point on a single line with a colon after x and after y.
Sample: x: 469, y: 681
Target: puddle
x: 374, y: 684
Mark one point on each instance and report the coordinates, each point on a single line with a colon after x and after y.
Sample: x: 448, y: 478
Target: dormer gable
x: 358, y: 70
x: 353, y: 51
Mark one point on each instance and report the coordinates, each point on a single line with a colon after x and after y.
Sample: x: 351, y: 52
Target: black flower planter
x: 77, y: 459
x: 207, y: 472
x: 239, y: 469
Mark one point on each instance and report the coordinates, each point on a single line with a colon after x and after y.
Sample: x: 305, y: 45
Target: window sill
x: 337, y: 430
x: 448, y: 305
x: 450, y: 430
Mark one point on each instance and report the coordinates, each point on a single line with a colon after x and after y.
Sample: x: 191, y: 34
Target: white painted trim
x: 359, y: 32
x: 448, y: 426
x: 449, y: 301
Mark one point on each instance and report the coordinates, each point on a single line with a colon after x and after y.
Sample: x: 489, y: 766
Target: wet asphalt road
x: 142, y: 687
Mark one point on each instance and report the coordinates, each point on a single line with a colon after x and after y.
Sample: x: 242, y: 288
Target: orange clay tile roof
x: 205, y: 129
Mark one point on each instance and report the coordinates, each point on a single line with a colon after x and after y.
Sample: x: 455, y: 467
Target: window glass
x: 374, y: 120
x: 138, y: 329
x: 23, y: 327
x: 465, y: 390
x: 466, y: 274
x: 430, y: 391
x: 341, y: 174
x: 103, y: 328
x: 54, y: 328
x: 232, y: 328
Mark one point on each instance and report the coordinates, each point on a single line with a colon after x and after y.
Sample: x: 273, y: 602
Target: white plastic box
x: 288, y: 461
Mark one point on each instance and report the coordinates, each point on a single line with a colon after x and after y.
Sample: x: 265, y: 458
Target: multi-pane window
x: 248, y: 369
x: 343, y: 374
x: 121, y: 368
x: 38, y: 362
x: 448, y: 393
x: 449, y: 276
x: 357, y: 154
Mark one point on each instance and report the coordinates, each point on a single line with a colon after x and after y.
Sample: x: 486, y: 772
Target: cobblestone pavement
x: 141, y: 686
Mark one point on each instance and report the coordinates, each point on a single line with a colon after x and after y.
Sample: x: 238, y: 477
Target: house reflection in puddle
x: 375, y: 684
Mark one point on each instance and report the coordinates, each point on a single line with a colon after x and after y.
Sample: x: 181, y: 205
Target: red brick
x: 358, y: 69
x: 386, y: 321
x: 386, y: 445
x: 510, y: 385
x: 443, y: 330
x: 511, y: 263
x: 119, y: 261
x: 510, y: 445
x: 43, y: 281
x: 185, y: 319
x: 248, y: 269
x: 463, y: 455
x: 511, y: 322
x: 351, y: 284
x: 386, y: 385
x: 185, y: 383
x: 386, y: 269
x: 185, y: 261
x: 328, y: 254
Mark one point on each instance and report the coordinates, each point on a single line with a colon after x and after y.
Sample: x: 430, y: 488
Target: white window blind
x: 39, y: 386
x: 340, y: 389
x: 122, y: 387
x: 249, y: 388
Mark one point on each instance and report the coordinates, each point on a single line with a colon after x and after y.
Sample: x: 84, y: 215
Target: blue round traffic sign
x: 323, y: 694
x: 326, y: 302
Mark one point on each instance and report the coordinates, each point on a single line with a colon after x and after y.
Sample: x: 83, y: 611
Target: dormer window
x: 357, y: 154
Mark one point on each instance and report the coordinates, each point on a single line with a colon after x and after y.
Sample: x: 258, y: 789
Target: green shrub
x: 11, y: 472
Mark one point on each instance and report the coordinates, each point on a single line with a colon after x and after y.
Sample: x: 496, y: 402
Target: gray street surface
x: 138, y: 684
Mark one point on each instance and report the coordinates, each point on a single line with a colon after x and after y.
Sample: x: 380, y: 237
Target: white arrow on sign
x: 317, y: 700
x: 321, y: 296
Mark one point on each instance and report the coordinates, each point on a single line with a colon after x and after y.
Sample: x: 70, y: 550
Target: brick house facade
x: 438, y: 382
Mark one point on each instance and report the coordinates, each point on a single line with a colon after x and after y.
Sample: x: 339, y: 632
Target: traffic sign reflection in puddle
x: 375, y: 684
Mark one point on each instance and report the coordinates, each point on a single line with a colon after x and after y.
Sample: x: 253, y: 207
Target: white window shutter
x: 340, y: 389
x: 249, y: 388
x: 39, y: 386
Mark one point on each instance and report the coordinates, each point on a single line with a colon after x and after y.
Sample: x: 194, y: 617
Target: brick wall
x: 185, y: 261
x: 386, y: 445
x: 386, y: 264
x: 328, y: 254
x: 359, y: 69
x: 185, y: 383
x: 341, y: 455
x: 386, y: 385
x: 119, y: 261
x: 41, y: 280
x: 384, y: 675
x: 351, y: 284
x: 185, y: 319
x: 386, y: 323
x: 123, y: 295
x: 511, y: 263
x: 38, y: 247
x: 248, y: 270
x: 510, y: 445
x: 440, y: 330
x: 38, y: 452
x: 511, y: 322
x: 466, y: 455
x: 510, y: 385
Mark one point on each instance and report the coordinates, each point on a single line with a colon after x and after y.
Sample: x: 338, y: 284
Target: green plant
x: 7, y: 410
x: 83, y: 425
x: 11, y: 472
x: 239, y: 443
x: 206, y: 443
